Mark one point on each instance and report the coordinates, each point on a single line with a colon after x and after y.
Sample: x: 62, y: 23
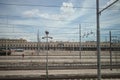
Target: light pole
x: 46, y: 32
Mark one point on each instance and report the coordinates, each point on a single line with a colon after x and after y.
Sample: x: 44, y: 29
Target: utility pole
x: 6, y: 46
x: 73, y: 45
x: 110, y: 52
x: 6, y: 40
x: 80, y: 41
x: 98, y: 35
x: 98, y: 41
x: 38, y: 43
x: 46, y: 32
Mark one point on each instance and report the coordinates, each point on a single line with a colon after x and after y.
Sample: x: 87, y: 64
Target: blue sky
x: 23, y: 18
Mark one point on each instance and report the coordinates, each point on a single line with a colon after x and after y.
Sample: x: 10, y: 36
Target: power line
x: 65, y: 33
x: 18, y: 25
x: 14, y: 35
x: 108, y: 6
x: 111, y: 29
x: 27, y: 25
x: 44, y: 5
x: 16, y: 32
x: 9, y: 16
x: 54, y: 6
x: 16, y: 16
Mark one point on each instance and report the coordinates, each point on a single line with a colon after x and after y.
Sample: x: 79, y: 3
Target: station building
x: 58, y: 45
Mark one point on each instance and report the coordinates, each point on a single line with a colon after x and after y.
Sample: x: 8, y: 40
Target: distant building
x: 58, y: 45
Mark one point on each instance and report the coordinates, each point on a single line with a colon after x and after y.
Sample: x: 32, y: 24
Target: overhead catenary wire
x: 44, y: 5
x: 35, y: 17
x: 31, y: 25
x: 16, y: 32
x: 50, y: 6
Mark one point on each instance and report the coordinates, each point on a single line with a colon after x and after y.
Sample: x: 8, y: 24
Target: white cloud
x: 66, y: 10
x: 32, y: 13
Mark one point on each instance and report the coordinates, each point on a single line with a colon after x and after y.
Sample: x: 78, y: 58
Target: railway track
x: 108, y: 76
x: 58, y: 63
x: 55, y: 66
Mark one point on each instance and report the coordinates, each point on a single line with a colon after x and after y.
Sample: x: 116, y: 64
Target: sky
x: 61, y: 18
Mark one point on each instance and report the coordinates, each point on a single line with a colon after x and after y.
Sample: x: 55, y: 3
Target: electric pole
x: 38, y: 43
x: 110, y: 52
x: 98, y: 35
x: 98, y: 41
x: 80, y: 41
